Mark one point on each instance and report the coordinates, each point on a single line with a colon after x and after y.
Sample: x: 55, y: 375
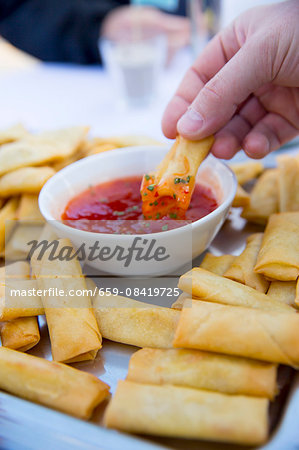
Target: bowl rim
x: 121, y: 151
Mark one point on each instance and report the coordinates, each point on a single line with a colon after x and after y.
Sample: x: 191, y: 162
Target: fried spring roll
x: 188, y: 413
x: 217, y: 264
x: 20, y: 334
x: 51, y: 384
x: 278, y: 258
x: 242, y: 198
x: 16, y: 300
x: 36, y: 150
x: 128, y: 321
x: 288, y: 182
x: 27, y: 180
x: 252, y: 333
x: 283, y: 291
x: 73, y: 329
x: 263, y: 198
x: 168, y: 191
x: 210, y: 287
x: 7, y: 214
x: 29, y: 209
x: 247, y: 171
x: 297, y: 294
x: 241, y: 269
x: 13, y: 133
x: 203, y: 370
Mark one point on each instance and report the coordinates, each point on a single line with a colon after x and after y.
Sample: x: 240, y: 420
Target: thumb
x: 220, y: 97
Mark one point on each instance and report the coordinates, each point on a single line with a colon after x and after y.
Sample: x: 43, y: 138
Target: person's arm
x: 244, y: 86
x: 56, y: 30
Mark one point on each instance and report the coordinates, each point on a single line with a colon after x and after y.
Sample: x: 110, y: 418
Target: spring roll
x: 19, y: 298
x: 168, y: 191
x: 74, y: 333
x: 288, y: 183
x: 20, y: 334
x: 210, y: 287
x: 7, y: 215
x: 203, y: 370
x: 283, y: 291
x: 217, y: 264
x: 278, y: 258
x: 297, y: 294
x: 51, y: 384
x: 247, y: 170
x: 27, y: 180
x: 241, y: 269
x: 128, y: 321
x: 263, y: 198
x: 234, y: 330
x: 40, y: 149
x: 28, y: 208
x: 13, y: 133
x: 188, y: 413
x: 242, y: 198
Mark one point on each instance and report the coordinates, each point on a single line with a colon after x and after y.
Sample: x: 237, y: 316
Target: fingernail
x: 191, y: 122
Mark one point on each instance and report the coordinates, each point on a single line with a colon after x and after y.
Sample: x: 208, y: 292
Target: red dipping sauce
x: 116, y: 207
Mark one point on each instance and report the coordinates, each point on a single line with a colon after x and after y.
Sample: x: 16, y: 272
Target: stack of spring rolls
x: 237, y: 321
x: 27, y: 161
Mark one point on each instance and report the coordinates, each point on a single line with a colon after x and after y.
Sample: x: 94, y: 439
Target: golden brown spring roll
x: 51, y: 384
x: 203, y: 370
x: 210, y: 287
x: 297, y: 294
x: 15, y: 300
x: 29, y: 209
x: 283, y: 291
x: 188, y: 413
x: 241, y: 269
x: 13, y: 133
x: 27, y: 180
x: 278, y: 258
x: 288, y: 183
x: 247, y: 170
x: 136, y: 323
x: 217, y: 264
x: 234, y: 330
x: 263, y: 198
x: 20, y: 334
x: 73, y: 329
x: 7, y: 215
x: 36, y: 150
x: 242, y: 198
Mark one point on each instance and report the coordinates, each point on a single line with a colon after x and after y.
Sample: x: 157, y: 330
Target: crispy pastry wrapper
x: 242, y: 198
x: 8, y: 213
x: 72, y: 325
x: 27, y: 180
x: 247, y: 171
x: 251, y: 333
x: 187, y: 413
x: 203, y: 370
x: 210, y: 287
x: 217, y: 264
x: 263, y: 198
x: 297, y: 294
x: 36, y: 150
x: 20, y: 334
x: 50, y: 383
x: 174, y: 179
x: 242, y: 268
x: 128, y: 321
x: 288, y: 183
x: 283, y: 291
x: 278, y: 258
x: 28, y: 208
x: 13, y: 133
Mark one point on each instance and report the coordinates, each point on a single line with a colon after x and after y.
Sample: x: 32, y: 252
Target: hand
x: 124, y: 22
x: 244, y: 86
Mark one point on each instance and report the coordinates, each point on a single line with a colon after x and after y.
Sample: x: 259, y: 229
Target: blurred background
x: 112, y: 65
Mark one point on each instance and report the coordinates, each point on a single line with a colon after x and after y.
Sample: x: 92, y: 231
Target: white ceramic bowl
x: 180, y: 244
